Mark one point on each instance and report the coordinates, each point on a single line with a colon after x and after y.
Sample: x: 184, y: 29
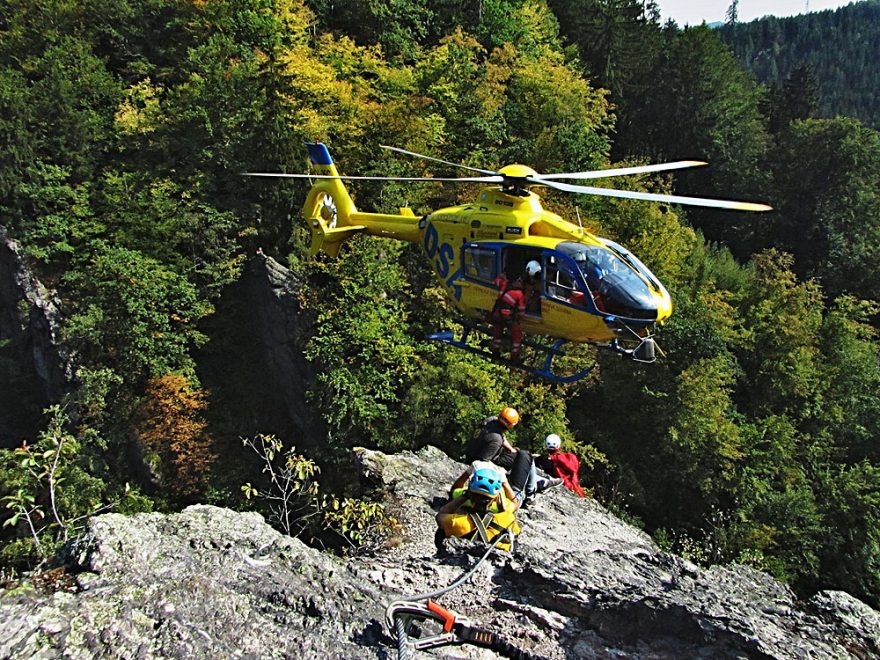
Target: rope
x: 436, y: 594
x: 402, y: 648
x: 493, y: 642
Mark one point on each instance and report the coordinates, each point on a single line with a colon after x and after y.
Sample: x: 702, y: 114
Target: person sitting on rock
x: 513, y: 483
x: 481, y: 512
x: 562, y: 464
x: 490, y: 444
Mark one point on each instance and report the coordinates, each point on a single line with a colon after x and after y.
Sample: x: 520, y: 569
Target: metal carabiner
x: 432, y: 611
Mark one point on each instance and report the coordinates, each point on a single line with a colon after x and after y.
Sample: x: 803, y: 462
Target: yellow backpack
x: 482, y: 526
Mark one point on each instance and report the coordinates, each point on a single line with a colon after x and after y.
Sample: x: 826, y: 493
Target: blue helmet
x: 485, y: 482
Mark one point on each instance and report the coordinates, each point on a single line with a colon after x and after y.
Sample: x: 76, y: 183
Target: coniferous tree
x: 840, y: 46
x: 731, y: 16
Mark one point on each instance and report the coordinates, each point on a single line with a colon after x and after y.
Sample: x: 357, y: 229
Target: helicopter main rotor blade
x: 623, y: 171
x: 653, y: 197
x: 437, y: 160
x: 472, y: 179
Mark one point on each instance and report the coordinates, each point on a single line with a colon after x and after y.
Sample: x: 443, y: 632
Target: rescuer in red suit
x: 510, y: 307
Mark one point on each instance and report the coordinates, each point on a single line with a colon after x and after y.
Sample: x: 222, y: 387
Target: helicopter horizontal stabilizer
x: 330, y: 239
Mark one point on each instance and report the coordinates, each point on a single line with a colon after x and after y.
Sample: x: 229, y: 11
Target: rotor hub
x: 517, y: 171
x: 516, y: 178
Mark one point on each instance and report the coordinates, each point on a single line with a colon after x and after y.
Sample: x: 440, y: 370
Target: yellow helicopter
x: 592, y: 290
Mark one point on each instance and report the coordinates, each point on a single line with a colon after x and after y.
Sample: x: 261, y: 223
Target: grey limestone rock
x: 209, y: 582
x: 30, y: 321
x: 255, y: 354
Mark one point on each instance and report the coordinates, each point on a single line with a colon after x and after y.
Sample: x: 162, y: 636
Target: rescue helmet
x: 553, y: 441
x: 533, y: 268
x: 485, y: 482
x: 509, y: 417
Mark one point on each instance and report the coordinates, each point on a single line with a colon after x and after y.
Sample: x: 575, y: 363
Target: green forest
x: 124, y: 127
x: 827, y: 58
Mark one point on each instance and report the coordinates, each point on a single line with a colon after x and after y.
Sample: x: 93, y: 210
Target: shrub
x: 171, y: 428
x: 292, y: 500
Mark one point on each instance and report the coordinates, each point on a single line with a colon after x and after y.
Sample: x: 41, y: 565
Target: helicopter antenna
x: 580, y: 224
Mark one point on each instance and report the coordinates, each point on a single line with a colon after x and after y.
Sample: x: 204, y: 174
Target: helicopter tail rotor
x: 328, y: 208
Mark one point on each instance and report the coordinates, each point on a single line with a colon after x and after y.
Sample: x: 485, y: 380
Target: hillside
x: 839, y: 48
x: 210, y: 582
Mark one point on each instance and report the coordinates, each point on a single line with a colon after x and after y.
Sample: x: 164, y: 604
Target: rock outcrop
x: 254, y: 362
x: 209, y: 582
x: 34, y: 367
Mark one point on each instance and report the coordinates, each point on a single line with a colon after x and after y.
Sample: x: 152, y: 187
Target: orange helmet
x: 509, y: 417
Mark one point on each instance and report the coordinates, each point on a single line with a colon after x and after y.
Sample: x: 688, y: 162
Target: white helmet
x: 553, y: 441
x: 533, y: 268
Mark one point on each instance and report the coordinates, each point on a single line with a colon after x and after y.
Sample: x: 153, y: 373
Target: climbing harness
x: 486, y: 528
x: 455, y: 629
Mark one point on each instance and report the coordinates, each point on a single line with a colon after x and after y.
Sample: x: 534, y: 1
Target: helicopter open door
x: 487, y: 266
x: 514, y: 259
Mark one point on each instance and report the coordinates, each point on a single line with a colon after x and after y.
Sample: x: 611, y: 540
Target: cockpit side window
x: 559, y: 280
x: 634, y: 261
x: 616, y: 285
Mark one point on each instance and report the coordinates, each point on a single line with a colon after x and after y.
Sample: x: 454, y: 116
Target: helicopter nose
x: 632, y: 302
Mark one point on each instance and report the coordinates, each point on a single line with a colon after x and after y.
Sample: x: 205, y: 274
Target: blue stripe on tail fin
x: 318, y: 153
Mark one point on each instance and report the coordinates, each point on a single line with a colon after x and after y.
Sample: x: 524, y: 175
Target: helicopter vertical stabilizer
x: 333, y: 217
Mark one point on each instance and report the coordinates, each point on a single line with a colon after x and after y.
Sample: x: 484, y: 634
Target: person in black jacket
x: 490, y: 444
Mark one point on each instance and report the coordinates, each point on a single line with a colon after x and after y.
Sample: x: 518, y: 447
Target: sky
x: 694, y: 12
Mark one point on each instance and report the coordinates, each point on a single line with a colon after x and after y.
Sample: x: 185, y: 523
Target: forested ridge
x: 124, y: 127
x: 830, y: 57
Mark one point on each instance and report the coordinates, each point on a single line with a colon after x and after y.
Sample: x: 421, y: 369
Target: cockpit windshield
x: 633, y: 261
x: 616, y: 285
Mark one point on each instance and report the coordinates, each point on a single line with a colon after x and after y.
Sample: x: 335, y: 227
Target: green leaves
x: 48, y: 493
x: 829, y: 199
x: 134, y: 315
x: 361, y: 346
x: 290, y: 495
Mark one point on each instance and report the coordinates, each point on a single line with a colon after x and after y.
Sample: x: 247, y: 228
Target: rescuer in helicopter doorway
x: 510, y: 307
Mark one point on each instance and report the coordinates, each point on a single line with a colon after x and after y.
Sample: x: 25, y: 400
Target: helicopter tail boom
x: 333, y: 218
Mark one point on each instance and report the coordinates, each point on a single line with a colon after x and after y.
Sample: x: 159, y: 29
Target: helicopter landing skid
x: 549, y: 352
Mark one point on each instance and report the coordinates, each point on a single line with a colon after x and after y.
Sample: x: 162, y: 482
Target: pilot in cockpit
x: 594, y: 274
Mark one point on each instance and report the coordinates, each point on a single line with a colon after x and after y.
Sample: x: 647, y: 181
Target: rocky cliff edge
x: 212, y: 583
